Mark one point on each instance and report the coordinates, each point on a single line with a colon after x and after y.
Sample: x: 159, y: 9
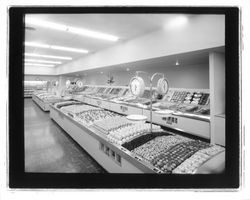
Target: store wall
x: 192, y: 76
x: 202, y: 32
x: 37, y: 70
x: 40, y: 77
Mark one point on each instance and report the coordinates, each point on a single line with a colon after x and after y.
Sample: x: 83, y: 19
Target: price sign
x: 137, y: 86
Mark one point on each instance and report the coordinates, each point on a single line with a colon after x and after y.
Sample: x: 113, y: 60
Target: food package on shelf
x: 90, y: 116
x: 78, y: 108
x: 143, y: 139
x: 112, y: 123
x: 171, y: 158
x: 125, y: 134
x: 190, y: 165
x: 156, y: 146
x: 165, y: 105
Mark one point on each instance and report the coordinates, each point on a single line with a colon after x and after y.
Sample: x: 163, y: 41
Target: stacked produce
x: 112, y: 123
x: 165, y: 105
x: 190, y: 165
x: 48, y: 97
x: 125, y: 134
x: 90, y: 116
x: 143, y: 139
x: 126, y: 95
x: 78, y: 108
x: 152, y: 149
x: 168, y: 160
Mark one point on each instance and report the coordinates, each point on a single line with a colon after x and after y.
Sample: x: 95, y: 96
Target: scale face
x: 162, y: 86
x: 79, y: 84
x: 137, y: 86
x: 68, y: 84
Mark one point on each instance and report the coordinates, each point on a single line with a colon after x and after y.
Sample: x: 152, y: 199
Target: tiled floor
x: 48, y: 148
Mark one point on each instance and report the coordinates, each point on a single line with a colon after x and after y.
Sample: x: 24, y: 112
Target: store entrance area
x: 49, y: 149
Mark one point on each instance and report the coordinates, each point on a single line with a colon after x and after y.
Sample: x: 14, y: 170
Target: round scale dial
x: 79, y: 84
x: 68, y: 84
x: 137, y: 86
x: 162, y: 86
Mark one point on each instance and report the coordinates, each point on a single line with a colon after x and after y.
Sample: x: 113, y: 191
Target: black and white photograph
x: 139, y: 93
x: 124, y: 97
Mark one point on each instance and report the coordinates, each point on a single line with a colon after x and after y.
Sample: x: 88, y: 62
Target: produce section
x: 129, y: 132
x: 30, y: 87
x: 90, y: 116
x: 144, y: 101
x: 160, y: 151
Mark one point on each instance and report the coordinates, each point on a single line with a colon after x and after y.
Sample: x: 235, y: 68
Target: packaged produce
x: 90, y: 116
x: 124, y: 134
x: 168, y: 160
x: 156, y: 146
x: 190, y: 165
x: 112, y: 123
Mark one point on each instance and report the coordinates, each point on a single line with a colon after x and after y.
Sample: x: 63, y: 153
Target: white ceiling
x: 125, y: 26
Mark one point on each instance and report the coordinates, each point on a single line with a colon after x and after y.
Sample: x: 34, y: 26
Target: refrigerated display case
x: 129, y: 147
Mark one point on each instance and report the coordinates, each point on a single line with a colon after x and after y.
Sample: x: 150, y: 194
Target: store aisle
x: 49, y: 149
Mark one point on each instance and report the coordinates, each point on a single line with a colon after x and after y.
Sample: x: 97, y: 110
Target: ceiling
x: 125, y: 26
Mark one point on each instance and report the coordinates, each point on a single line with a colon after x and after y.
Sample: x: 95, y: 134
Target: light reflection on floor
x: 49, y: 149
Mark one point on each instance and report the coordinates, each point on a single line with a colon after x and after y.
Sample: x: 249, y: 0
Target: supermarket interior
x: 124, y: 93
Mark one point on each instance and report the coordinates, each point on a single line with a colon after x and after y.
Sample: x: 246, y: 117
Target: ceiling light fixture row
x: 42, y: 61
x: 70, y: 29
x: 55, y: 47
x: 38, y: 64
x: 48, y: 56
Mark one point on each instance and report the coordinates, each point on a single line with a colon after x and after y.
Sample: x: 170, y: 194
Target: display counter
x: 42, y: 104
x: 44, y: 99
x: 116, y: 158
x: 193, y: 124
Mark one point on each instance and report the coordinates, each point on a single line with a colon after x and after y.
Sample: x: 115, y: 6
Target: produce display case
x: 189, y: 108
x: 44, y: 99
x: 32, y: 86
x: 122, y: 146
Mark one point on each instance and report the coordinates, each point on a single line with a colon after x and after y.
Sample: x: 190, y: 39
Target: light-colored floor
x: 49, y: 149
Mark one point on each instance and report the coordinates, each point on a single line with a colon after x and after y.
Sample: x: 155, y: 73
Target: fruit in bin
x: 124, y: 134
x: 88, y: 117
x: 151, y: 145
x: 190, y: 165
x: 169, y: 159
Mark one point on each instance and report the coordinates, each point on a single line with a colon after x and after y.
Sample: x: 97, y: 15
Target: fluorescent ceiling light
x: 69, y: 29
x: 36, y: 64
x: 43, y: 61
x: 48, y: 56
x: 177, y: 22
x: 61, y: 48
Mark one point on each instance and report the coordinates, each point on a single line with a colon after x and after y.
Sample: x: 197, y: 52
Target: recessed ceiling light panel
x: 70, y: 29
x: 41, y: 65
x: 42, y: 61
x: 176, y: 22
x: 61, y: 48
x: 48, y: 56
